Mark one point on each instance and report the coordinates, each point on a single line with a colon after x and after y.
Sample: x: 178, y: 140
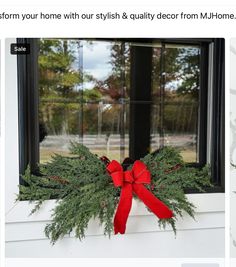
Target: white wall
x: 203, y: 237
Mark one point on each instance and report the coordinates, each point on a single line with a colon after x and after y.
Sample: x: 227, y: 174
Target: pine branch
x: 85, y: 191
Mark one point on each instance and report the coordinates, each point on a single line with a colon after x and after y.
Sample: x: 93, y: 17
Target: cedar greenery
x: 84, y: 190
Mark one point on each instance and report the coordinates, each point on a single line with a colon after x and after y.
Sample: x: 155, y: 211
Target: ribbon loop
x: 116, y: 171
x: 117, y: 178
x: 141, y: 173
x: 114, y: 166
x: 132, y: 181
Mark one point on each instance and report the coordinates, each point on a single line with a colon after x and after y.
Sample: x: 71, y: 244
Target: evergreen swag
x: 84, y: 189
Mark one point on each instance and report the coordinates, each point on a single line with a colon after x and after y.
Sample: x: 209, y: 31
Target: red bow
x: 132, y: 181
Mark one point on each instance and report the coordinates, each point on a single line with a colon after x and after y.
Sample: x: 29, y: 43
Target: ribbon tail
x: 152, y: 202
x: 123, y: 209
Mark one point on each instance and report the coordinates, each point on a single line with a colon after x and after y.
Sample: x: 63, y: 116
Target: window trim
x: 28, y: 109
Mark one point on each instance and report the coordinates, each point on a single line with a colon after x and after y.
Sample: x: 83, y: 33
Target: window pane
x: 176, y: 72
x: 83, y: 85
x: 84, y: 88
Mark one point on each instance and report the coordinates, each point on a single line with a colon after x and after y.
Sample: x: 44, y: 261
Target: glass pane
x: 84, y: 88
x: 59, y: 123
x: 102, y: 130
x: 176, y: 74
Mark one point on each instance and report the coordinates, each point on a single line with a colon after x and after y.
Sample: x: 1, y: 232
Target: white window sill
x: 209, y: 215
x: 214, y: 202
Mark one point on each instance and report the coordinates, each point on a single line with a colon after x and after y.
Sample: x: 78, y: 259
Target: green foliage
x: 171, y: 177
x: 84, y: 189
x: 58, y: 76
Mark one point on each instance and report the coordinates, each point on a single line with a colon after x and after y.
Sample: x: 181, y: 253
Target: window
x: 123, y: 98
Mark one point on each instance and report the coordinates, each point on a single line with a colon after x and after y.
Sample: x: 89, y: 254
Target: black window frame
x: 28, y: 102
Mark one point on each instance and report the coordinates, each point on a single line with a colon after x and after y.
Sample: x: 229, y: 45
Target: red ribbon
x: 133, y: 181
